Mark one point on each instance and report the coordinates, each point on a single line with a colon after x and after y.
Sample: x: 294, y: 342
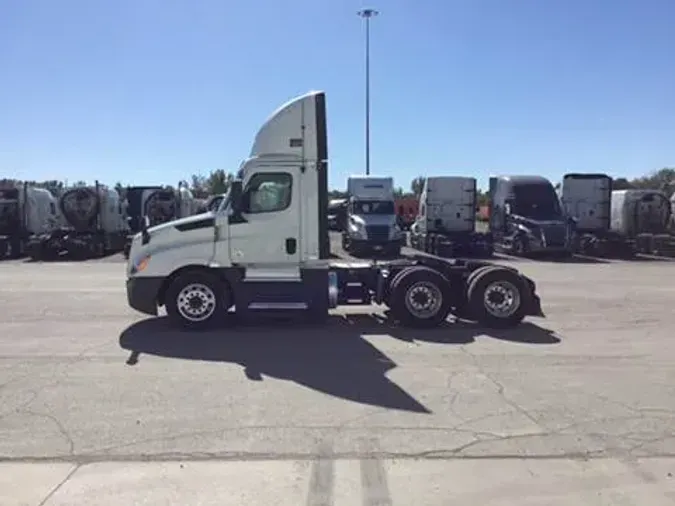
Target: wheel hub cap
x: 423, y: 300
x: 196, y: 302
x: 501, y: 299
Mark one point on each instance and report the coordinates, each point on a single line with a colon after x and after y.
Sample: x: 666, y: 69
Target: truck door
x: 269, y: 233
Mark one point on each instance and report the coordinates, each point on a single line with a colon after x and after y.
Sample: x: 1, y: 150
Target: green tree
x: 417, y: 185
x: 219, y: 181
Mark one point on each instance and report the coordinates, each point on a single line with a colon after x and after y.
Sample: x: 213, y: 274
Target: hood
x: 375, y: 219
x: 181, y: 221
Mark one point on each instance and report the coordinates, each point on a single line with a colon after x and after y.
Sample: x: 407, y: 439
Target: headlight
x: 357, y: 230
x: 139, y: 265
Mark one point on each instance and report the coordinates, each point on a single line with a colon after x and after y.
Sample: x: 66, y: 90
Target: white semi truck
x: 446, y: 219
x: 93, y: 225
x: 372, y: 224
x: 25, y: 212
x: 269, y: 251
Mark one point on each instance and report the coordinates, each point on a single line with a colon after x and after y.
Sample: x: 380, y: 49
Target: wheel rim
x: 501, y: 299
x: 423, y: 299
x: 196, y: 302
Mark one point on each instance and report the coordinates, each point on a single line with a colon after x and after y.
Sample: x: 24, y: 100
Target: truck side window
x: 52, y: 208
x: 268, y: 193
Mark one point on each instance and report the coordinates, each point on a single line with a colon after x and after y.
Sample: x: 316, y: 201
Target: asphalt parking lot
x: 99, y: 405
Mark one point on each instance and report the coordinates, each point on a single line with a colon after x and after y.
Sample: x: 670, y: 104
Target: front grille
x: 377, y: 232
x: 555, y: 236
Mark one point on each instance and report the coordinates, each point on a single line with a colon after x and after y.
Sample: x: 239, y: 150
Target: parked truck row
x: 85, y: 221
x: 527, y: 216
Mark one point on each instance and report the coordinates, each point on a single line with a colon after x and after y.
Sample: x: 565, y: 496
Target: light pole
x: 367, y: 14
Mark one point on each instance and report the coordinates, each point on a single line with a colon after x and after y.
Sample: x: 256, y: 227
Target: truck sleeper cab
x: 266, y: 249
x: 526, y: 217
x: 446, y: 221
x: 587, y: 198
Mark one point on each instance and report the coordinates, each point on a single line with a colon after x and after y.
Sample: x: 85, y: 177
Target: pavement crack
x: 59, y: 485
x: 501, y: 391
x: 62, y: 430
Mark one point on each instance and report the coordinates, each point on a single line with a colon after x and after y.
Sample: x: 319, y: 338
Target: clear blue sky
x: 151, y: 91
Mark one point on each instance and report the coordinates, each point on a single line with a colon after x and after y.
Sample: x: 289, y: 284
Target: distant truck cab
x: 372, y: 224
x: 526, y: 217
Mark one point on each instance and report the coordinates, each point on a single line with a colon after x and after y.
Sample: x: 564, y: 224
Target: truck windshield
x: 537, y: 202
x: 374, y: 207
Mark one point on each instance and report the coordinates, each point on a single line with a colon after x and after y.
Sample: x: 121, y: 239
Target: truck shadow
x: 333, y: 358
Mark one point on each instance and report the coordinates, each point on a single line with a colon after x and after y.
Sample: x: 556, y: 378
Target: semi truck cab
x: 372, y: 223
x: 526, y: 217
x: 267, y: 249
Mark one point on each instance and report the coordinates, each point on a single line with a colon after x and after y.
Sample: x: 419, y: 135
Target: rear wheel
x: 197, y: 300
x: 497, y: 297
x: 420, y: 297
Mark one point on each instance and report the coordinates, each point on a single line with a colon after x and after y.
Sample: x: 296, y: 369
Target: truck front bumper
x: 142, y: 293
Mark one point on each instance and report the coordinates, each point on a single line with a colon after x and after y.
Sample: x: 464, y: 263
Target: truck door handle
x: 291, y: 245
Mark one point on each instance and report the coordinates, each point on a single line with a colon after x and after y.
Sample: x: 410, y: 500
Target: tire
x: 204, y: 288
x: 464, y: 311
x: 501, y: 283
x: 433, y: 290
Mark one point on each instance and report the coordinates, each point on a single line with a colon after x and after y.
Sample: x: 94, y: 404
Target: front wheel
x: 197, y: 300
x: 497, y: 297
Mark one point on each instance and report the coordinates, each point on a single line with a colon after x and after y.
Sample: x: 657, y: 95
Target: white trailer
x: 643, y: 216
x: 446, y: 220
x: 25, y: 212
x: 93, y: 224
x: 276, y: 257
x: 587, y: 198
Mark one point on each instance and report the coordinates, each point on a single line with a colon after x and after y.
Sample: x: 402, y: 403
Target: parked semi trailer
x: 587, y: 198
x: 272, y: 254
x: 643, y: 217
x: 446, y: 221
x: 25, y: 212
x: 526, y: 217
x: 93, y: 225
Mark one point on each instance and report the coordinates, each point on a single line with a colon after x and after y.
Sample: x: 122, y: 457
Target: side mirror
x: 236, y: 196
x: 145, y: 224
x: 236, y: 202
